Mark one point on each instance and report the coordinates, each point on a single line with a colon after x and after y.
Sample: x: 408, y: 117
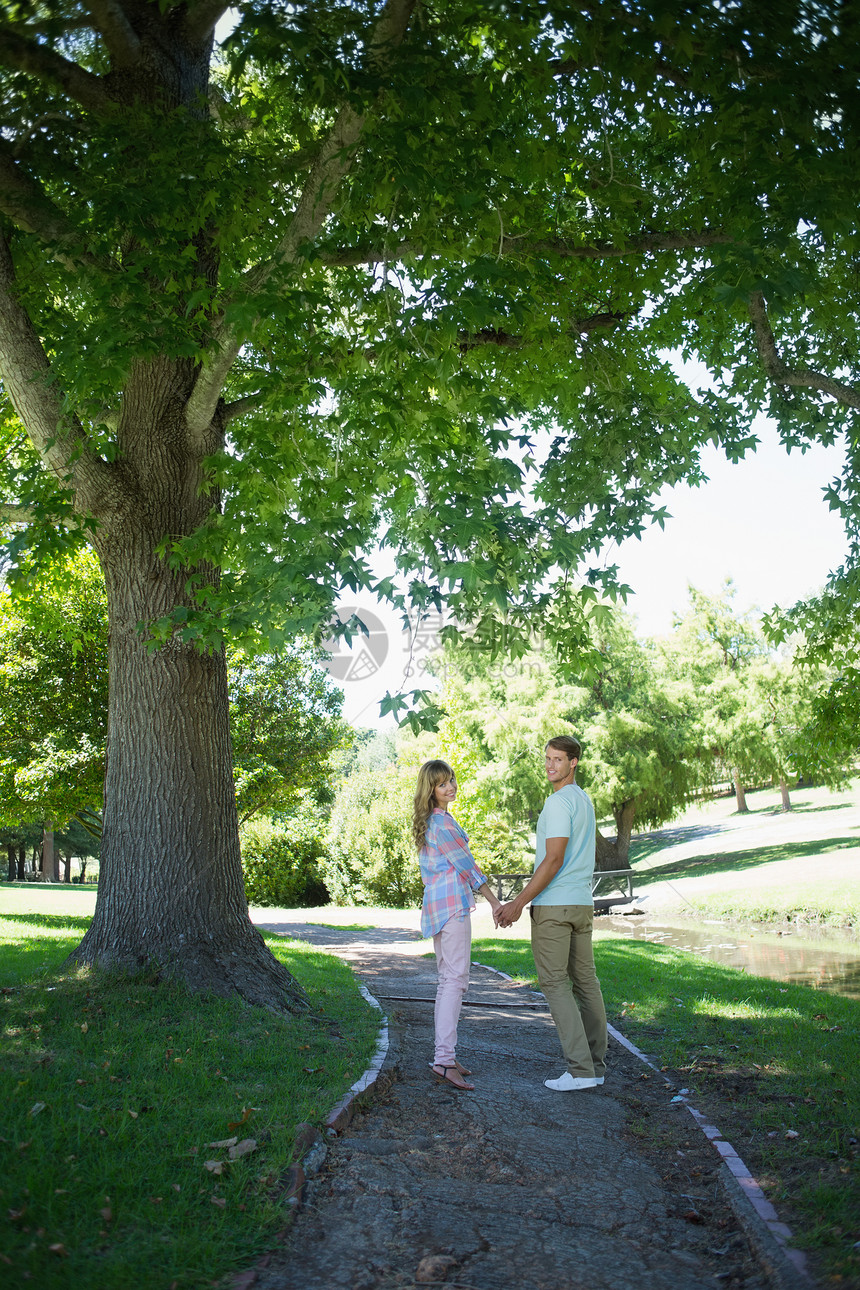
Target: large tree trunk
x: 12, y: 861
x: 22, y: 863
x: 615, y: 854
x: 786, y: 799
x: 171, y: 898
x: 740, y: 795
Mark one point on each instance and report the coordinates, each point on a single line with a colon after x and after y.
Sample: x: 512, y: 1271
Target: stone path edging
x: 310, y: 1149
x: 340, y: 1116
x: 754, y: 1211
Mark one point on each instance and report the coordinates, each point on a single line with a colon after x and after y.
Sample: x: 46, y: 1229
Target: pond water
x: 826, y: 960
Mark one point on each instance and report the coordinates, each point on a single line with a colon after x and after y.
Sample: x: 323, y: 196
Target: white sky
x: 763, y: 523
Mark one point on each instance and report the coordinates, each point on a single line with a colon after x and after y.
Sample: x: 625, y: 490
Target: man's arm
x: 541, y: 878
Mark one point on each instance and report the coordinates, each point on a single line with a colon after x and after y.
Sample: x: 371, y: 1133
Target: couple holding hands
x: 561, y: 915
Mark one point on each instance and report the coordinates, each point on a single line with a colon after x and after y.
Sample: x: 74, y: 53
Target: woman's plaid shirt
x: 448, y: 871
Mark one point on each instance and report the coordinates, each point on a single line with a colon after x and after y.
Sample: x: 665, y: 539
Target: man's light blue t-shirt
x: 568, y: 814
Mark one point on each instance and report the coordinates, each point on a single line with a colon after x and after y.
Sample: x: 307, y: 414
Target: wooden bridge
x: 619, y: 880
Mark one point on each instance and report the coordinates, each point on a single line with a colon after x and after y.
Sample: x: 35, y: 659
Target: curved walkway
x: 512, y: 1185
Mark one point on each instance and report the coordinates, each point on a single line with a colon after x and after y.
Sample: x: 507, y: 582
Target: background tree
x: 714, y: 648
x: 254, y: 316
x: 634, y: 725
x: 371, y: 859
x: 53, y: 696
x: 284, y: 725
x: 637, y: 726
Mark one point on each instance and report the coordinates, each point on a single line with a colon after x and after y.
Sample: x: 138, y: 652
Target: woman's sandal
x: 444, y: 1079
x: 461, y: 1069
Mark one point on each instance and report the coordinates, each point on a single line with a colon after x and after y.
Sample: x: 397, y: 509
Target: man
x: 562, y: 914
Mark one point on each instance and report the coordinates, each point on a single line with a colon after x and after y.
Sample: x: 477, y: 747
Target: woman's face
x: 445, y: 793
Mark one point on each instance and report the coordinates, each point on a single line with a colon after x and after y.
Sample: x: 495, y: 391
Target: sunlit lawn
x: 768, y: 1058
x: 115, y: 1092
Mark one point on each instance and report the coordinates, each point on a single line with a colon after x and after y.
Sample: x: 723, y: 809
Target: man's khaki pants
x: 561, y: 944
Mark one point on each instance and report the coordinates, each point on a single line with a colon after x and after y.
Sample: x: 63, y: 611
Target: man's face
x: 559, y: 767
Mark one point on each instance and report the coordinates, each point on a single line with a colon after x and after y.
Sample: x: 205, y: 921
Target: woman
x: 450, y: 878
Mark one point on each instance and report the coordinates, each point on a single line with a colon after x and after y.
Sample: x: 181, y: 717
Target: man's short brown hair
x: 568, y: 745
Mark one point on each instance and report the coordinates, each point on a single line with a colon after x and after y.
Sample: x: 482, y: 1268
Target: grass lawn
x: 116, y: 1091
x: 763, y: 1059
x: 764, y: 866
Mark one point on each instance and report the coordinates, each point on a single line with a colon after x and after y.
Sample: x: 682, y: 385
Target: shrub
x: 280, y: 863
x: 370, y: 857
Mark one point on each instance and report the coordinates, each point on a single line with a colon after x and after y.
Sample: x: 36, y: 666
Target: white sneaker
x: 566, y: 1083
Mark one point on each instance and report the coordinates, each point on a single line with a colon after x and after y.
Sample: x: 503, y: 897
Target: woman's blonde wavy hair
x: 430, y: 776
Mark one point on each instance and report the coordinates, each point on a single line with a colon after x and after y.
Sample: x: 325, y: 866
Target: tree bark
x: 171, y: 898
x: 740, y: 795
x: 12, y: 862
x: 786, y: 799
x: 615, y: 854
x: 49, y: 860
x: 22, y: 863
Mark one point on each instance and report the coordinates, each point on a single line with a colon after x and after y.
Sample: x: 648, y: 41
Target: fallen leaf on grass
x: 84, y: 1027
x: 214, y: 1166
x: 107, y: 1214
x: 219, y: 1201
x: 133, y: 1114
x: 59, y: 1249
x: 243, y: 1148
x: 224, y: 1142
x: 37, y: 1107
x: 792, y: 1133
x: 247, y: 1112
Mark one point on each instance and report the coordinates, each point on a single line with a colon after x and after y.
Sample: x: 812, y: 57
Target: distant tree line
x: 661, y: 722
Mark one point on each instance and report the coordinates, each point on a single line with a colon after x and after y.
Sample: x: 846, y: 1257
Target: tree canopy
x: 390, y: 273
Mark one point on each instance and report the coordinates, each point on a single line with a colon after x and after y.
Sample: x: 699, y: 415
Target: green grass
x: 736, y: 861
x: 828, y: 903
x: 763, y: 1058
x: 114, y: 1091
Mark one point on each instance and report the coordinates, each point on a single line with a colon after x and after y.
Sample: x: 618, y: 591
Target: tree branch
x: 117, y: 32
x: 202, y: 17
x: 333, y: 162
x: 248, y: 403
x: 505, y: 340
x: 25, y: 55
x: 29, y: 208
x: 25, y: 371
x: 572, y: 66
x: 10, y: 514
x: 645, y: 242
x: 777, y: 370
x: 666, y: 241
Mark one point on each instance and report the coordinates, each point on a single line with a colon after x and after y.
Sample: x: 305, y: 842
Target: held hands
x: 507, y: 915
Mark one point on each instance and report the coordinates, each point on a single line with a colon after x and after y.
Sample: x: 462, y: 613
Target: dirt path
x: 513, y: 1185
